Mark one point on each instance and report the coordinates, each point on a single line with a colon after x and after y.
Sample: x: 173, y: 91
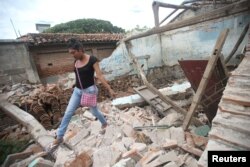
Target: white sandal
x: 53, y: 146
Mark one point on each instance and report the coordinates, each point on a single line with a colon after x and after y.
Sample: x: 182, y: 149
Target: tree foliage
x: 82, y: 26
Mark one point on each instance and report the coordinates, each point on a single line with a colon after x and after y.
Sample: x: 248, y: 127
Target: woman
x: 85, y: 67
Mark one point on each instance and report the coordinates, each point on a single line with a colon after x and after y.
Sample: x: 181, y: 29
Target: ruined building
x: 183, y: 89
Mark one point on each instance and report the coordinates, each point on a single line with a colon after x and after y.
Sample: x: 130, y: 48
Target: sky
x: 22, y: 15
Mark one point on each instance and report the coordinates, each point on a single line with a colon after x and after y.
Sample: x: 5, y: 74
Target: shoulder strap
x: 79, y: 79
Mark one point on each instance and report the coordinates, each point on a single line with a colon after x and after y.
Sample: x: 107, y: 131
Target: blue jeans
x: 74, y: 103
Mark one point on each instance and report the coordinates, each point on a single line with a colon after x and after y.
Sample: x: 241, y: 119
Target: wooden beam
x: 237, y: 44
x: 150, y: 86
x: 206, y: 76
x: 215, y: 14
x: 153, y: 89
x: 156, y: 14
x: 167, y: 5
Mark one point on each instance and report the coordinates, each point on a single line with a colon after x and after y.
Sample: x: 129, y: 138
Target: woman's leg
x: 74, y: 103
x: 95, y: 111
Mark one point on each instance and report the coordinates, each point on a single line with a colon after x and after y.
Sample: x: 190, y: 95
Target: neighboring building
x: 41, y: 27
x: 48, y: 54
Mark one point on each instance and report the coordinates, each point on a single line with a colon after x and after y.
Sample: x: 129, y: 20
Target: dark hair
x: 75, y: 44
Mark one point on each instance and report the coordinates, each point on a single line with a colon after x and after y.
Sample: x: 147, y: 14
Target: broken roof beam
x: 185, y: 2
x: 156, y: 5
x: 153, y: 89
x: 215, y: 14
x: 206, y: 77
x: 167, y: 5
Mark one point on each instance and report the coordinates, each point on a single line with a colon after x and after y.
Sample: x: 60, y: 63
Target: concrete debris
x: 178, y: 92
x: 172, y: 118
x: 121, y: 145
x: 169, y: 144
x: 163, y: 159
x: 106, y: 156
x: 128, y: 162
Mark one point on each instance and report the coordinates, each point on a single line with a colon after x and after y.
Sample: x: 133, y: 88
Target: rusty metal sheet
x: 193, y: 70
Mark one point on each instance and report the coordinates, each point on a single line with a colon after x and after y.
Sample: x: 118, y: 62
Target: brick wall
x: 55, y: 60
x: 160, y: 77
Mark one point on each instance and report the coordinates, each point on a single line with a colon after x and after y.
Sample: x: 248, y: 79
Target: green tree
x: 82, y: 26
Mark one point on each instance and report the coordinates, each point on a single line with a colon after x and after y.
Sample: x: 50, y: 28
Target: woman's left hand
x: 112, y: 93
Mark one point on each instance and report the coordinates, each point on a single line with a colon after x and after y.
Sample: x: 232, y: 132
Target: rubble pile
x: 135, y: 137
x: 46, y: 103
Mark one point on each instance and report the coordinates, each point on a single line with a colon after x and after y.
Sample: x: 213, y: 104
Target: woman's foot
x: 103, y: 129
x: 52, y: 146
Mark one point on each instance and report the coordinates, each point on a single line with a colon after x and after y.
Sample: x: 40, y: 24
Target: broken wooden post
x: 153, y: 89
x: 156, y: 14
x: 167, y: 5
x: 156, y: 5
x: 206, y: 76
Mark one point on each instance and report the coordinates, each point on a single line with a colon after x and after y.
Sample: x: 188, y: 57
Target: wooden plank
x: 154, y: 90
x: 215, y: 14
x: 141, y: 87
x: 146, y: 94
x: 206, y: 76
x: 222, y: 61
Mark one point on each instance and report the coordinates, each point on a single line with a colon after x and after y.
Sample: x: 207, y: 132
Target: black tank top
x: 86, y: 74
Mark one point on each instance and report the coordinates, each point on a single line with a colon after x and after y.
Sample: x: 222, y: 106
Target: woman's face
x: 76, y: 54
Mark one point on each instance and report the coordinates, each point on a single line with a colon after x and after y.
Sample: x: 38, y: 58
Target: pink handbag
x: 87, y: 99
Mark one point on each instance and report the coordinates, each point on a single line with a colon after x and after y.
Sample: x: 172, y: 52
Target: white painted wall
x: 189, y: 43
